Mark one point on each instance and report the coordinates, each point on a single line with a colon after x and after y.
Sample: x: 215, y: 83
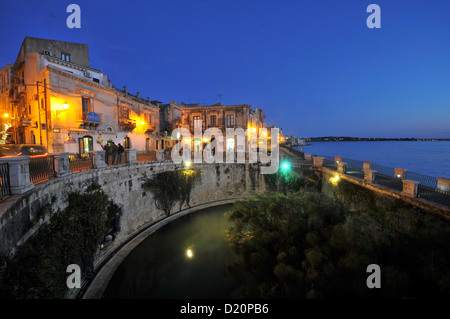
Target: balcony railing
x: 81, y: 162
x: 87, y: 123
x: 148, y: 156
x: 5, y: 189
x: 127, y: 124
x: 41, y: 169
x: 150, y: 127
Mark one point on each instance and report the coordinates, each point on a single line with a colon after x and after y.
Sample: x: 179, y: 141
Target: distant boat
x: 294, y: 142
x: 299, y: 142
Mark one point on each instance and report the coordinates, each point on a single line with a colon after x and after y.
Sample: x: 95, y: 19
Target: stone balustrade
x: 130, y: 155
x: 19, y: 174
x: 160, y: 157
x: 61, y: 164
x: 369, y: 176
x: 318, y: 161
x: 367, y: 165
x: 410, y: 188
x: 400, y: 173
x: 443, y: 184
x: 99, y: 159
x: 341, y: 167
x: 19, y: 168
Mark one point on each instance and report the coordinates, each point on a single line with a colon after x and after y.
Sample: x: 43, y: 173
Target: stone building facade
x: 223, y: 117
x: 170, y: 119
x: 60, y: 102
x: 6, y: 114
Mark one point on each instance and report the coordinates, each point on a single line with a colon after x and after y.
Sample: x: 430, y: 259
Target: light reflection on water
x: 184, y: 259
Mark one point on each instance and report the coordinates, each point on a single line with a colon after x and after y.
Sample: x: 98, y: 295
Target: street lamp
x: 285, y: 166
x: 69, y: 140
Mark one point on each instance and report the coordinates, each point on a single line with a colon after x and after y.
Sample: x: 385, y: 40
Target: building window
x: 125, y: 113
x: 197, y: 122
x: 65, y: 57
x: 86, y: 144
x: 85, y: 107
x: 229, y: 120
x: 212, y: 120
x: 126, y: 142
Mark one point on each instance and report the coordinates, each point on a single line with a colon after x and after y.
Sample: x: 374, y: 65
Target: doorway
x: 86, y: 144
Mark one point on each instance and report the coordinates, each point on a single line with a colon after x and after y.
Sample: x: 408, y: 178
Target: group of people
x: 114, y: 151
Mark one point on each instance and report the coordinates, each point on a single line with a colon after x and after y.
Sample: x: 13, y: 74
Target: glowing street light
x: 65, y: 105
x: 189, y: 253
x: 335, y: 180
x: 285, y: 166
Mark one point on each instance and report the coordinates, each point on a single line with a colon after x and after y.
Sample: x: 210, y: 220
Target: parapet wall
x: 123, y: 184
x: 384, y: 195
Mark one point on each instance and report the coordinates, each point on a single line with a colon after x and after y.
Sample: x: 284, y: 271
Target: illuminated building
x: 223, y: 117
x: 6, y: 111
x: 58, y: 97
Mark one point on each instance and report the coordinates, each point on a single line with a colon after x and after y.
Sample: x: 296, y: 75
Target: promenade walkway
x: 430, y: 189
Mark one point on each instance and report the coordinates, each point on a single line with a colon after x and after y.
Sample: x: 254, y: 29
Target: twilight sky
x: 313, y: 65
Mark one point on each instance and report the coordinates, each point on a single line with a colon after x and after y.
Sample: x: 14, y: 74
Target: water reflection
x: 185, y: 259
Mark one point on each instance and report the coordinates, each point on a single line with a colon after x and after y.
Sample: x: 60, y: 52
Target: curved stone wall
x: 123, y: 184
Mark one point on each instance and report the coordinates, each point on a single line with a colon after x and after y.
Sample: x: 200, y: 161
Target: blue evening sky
x: 313, y: 65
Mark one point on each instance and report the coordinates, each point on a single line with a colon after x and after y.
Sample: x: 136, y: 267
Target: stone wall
x: 383, y: 196
x: 123, y: 184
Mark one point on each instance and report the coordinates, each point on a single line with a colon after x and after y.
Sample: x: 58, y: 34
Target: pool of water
x: 184, y: 259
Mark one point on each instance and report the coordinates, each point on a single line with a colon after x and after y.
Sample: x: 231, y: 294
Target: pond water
x: 184, y: 259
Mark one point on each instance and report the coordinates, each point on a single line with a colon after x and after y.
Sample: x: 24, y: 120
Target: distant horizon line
x: 351, y: 138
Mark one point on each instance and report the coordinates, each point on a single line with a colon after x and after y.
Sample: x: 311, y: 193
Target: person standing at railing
x: 120, y: 151
x: 107, y: 149
x: 114, y: 150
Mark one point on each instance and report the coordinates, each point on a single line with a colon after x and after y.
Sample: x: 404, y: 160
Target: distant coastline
x: 371, y: 139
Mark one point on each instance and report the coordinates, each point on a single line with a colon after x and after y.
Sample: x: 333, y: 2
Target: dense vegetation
x: 72, y: 236
x: 171, y: 187
x: 303, y: 244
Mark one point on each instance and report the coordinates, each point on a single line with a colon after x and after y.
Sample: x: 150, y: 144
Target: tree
x: 170, y: 187
x: 72, y: 236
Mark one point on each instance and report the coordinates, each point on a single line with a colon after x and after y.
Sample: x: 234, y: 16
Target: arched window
x: 86, y: 144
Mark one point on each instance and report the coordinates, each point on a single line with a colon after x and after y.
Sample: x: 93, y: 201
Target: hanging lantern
x: 69, y: 140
